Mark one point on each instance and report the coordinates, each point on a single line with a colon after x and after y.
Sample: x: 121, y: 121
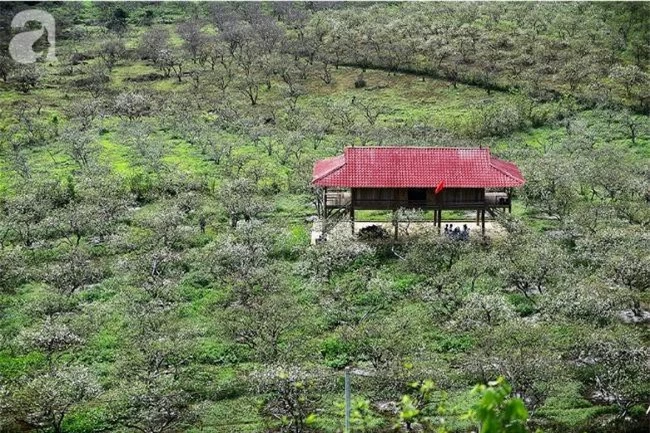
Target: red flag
x: 440, y: 186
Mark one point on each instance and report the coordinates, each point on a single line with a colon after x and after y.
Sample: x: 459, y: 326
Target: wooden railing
x: 497, y: 199
x: 342, y: 198
x: 417, y: 204
x: 338, y: 198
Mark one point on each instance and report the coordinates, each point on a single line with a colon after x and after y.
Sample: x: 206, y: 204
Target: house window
x: 419, y: 194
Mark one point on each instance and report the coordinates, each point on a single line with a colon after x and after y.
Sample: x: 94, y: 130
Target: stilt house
x: 427, y: 178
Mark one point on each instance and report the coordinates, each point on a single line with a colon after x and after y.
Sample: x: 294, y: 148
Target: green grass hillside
x: 156, y: 272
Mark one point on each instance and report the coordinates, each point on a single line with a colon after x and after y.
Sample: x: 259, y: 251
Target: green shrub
x: 16, y: 366
x: 219, y: 353
x: 454, y: 343
x: 335, y: 352
x: 522, y: 305
x: 87, y: 420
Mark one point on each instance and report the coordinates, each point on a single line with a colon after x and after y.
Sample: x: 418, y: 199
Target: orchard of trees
x: 156, y: 272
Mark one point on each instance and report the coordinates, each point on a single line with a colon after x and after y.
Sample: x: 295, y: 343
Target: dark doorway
x: 419, y: 194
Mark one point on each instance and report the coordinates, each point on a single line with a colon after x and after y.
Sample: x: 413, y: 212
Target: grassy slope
x: 411, y: 101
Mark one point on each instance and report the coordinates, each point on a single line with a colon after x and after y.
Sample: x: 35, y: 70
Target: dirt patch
x: 344, y: 228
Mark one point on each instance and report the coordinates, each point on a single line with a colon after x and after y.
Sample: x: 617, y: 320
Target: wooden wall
x: 392, y: 198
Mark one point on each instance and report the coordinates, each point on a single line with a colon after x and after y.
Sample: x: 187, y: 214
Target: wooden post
x: 439, y: 220
x: 478, y: 217
x: 348, y: 401
x: 483, y: 222
x: 352, y: 212
x: 395, y: 222
x: 323, y: 224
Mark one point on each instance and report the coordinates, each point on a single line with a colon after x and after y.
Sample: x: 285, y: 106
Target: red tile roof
x: 415, y: 167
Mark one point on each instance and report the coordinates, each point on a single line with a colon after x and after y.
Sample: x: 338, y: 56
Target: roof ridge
x: 417, y: 147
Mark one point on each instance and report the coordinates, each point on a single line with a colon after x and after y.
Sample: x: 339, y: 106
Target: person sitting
x: 446, y: 229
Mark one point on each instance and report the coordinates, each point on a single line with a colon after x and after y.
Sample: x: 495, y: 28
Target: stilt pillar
x: 323, y: 225
x: 509, y: 200
x: 395, y: 223
x: 483, y: 222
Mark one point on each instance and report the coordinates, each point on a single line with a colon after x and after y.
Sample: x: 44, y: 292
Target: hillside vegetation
x: 156, y: 272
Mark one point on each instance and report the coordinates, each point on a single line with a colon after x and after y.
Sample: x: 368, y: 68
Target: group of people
x: 456, y: 232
